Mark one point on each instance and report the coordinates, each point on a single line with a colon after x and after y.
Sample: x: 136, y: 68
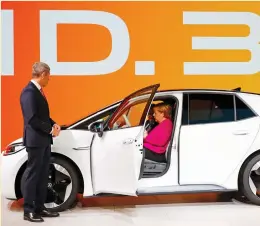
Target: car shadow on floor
x: 123, y: 201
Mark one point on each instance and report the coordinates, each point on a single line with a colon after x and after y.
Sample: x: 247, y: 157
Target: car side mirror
x: 97, y: 127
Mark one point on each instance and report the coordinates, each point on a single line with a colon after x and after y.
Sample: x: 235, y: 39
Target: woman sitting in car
x: 156, y: 141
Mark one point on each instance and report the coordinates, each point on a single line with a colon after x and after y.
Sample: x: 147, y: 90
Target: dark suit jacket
x: 36, y: 116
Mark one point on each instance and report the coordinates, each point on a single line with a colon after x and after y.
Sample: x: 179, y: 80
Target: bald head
x: 41, y: 73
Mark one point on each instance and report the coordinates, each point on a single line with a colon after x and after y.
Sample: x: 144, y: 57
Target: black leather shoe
x: 32, y: 217
x: 46, y: 213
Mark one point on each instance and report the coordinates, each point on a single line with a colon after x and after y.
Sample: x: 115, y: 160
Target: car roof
x: 236, y: 90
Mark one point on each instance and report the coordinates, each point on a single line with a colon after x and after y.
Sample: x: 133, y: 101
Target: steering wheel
x: 126, y: 120
x: 127, y: 123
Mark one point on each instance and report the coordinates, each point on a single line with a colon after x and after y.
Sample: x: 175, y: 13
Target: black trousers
x: 154, y: 156
x: 35, y: 178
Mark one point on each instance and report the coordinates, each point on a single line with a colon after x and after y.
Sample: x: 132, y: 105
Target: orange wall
x: 156, y: 33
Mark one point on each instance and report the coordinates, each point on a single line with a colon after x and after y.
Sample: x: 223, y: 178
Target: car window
x: 242, y: 110
x: 210, y: 108
x: 135, y: 114
x: 120, y: 118
x: 131, y: 115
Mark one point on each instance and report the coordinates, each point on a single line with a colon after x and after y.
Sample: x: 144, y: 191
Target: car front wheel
x: 249, y: 180
x: 63, y: 185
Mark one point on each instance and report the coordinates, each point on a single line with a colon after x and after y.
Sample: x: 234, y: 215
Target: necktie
x: 42, y: 93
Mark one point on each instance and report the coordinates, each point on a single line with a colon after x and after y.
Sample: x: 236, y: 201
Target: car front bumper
x: 10, y: 165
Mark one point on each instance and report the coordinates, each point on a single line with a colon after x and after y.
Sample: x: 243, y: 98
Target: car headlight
x: 13, y: 148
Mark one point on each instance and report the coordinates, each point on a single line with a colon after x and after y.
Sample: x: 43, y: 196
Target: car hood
x: 18, y: 141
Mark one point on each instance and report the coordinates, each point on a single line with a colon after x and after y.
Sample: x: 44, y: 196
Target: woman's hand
x: 145, y: 134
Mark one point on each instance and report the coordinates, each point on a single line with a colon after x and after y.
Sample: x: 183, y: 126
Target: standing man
x: 39, y: 129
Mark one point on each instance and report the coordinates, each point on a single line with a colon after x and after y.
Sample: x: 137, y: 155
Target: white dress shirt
x: 36, y: 84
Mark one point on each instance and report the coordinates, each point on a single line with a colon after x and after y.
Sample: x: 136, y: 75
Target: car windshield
x: 64, y: 126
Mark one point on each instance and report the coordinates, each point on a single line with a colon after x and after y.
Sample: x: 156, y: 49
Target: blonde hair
x: 165, y: 109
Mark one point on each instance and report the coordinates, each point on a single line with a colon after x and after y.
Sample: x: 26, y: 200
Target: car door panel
x: 210, y: 152
x: 116, y: 154
x: 122, y: 155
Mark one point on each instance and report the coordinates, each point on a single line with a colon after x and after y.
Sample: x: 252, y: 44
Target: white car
x: 215, y: 146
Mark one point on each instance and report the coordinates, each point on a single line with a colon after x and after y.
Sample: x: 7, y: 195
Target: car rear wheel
x: 249, y: 180
x: 63, y: 185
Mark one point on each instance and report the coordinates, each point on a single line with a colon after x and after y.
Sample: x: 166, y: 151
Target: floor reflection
x: 143, y: 200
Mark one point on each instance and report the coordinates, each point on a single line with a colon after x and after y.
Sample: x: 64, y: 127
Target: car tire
x: 244, y: 186
x: 72, y: 198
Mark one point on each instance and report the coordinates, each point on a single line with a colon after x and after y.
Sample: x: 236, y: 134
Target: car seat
x: 152, y: 167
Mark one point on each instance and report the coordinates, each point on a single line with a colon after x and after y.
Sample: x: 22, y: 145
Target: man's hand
x: 57, y: 127
x: 56, y: 130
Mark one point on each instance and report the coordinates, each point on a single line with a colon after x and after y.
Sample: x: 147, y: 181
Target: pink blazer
x: 158, y: 139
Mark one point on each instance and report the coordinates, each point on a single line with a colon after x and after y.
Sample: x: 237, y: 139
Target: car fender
x: 66, y: 145
x: 76, y: 145
x: 232, y: 180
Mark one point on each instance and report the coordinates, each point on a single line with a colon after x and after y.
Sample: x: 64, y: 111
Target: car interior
x: 151, y: 168
x: 156, y: 169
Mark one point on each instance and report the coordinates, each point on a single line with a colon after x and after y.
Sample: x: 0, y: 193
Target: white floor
x: 206, y: 214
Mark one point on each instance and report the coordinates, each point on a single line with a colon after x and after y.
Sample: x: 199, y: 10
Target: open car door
x: 116, y: 151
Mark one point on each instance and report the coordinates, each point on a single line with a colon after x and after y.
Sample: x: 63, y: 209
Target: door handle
x: 82, y: 148
x: 128, y: 141
x: 241, y: 132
